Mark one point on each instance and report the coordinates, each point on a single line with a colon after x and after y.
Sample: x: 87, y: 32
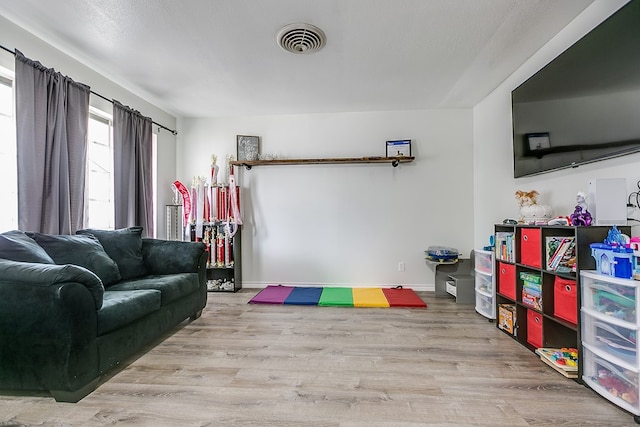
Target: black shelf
x: 556, y: 331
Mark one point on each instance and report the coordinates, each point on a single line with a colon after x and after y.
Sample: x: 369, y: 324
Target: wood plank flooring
x: 255, y: 365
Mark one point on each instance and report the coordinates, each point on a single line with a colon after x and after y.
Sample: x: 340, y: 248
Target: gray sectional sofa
x: 75, y: 308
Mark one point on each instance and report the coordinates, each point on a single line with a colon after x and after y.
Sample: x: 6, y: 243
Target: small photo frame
x: 248, y: 147
x: 399, y: 148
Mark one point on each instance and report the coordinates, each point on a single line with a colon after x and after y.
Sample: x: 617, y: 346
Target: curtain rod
x: 173, y: 132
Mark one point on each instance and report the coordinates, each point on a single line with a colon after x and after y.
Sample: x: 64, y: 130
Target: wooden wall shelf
x: 395, y: 161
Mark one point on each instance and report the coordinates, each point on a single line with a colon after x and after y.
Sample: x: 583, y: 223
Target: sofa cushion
x: 172, y: 286
x: 40, y: 274
x: 17, y: 246
x: 85, y: 251
x: 123, y: 307
x: 124, y: 246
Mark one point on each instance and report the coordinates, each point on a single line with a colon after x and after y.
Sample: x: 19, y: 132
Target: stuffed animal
x: 530, y: 211
x: 527, y: 198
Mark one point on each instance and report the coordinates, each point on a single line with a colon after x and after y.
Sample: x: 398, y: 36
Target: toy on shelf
x: 531, y: 212
x: 634, y: 245
x: 614, y: 257
x: 442, y: 254
x: 581, y: 215
x: 563, y: 360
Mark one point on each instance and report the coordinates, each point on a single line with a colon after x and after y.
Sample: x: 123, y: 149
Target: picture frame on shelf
x: 248, y: 147
x: 399, y: 148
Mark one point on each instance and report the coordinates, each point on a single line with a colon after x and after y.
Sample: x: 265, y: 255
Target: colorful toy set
x: 563, y: 360
x: 615, y: 257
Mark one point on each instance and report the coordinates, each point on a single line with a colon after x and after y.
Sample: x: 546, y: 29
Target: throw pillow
x: 124, y: 246
x: 17, y: 246
x: 85, y: 251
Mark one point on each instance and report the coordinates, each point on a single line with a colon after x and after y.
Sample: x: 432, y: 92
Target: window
x: 99, y: 199
x: 99, y: 206
x: 99, y: 209
x: 8, y: 160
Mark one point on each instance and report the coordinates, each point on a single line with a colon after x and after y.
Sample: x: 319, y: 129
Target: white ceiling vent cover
x: 301, y: 38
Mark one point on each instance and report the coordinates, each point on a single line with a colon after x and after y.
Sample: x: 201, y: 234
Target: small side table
x: 444, y: 269
x: 462, y: 287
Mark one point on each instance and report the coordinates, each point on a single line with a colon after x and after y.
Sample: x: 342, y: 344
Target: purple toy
x: 580, y: 217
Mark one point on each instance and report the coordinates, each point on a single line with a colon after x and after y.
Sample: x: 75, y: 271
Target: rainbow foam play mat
x: 339, y: 297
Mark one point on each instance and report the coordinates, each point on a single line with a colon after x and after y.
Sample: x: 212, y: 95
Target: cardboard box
x: 507, y: 318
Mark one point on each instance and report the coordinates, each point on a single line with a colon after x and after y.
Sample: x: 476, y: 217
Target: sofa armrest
x: 172, y: 256
x: 48, y: 335
x: 37, y: 274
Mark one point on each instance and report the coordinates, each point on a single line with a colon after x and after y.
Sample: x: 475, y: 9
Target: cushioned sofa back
x: 85, y: 251
x: 124, y: 246
x: 17, y: 246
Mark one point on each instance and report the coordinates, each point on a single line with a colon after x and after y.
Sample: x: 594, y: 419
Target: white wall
x: 494, y: 185
x: 344, y: 224
x: 14, y: 37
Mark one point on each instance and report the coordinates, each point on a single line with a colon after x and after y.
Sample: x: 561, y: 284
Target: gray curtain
x: 52, y: 119
x: 133, y: 197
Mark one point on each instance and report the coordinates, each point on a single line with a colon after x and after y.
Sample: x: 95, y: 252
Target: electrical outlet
x: 401, y: 266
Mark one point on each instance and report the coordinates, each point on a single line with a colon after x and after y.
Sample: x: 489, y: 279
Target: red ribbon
x: 186, y: 200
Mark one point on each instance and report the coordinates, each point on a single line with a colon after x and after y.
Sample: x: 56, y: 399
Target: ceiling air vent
x: 301, y: 38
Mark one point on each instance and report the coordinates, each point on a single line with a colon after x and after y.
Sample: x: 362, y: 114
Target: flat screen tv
x: 584, y: 106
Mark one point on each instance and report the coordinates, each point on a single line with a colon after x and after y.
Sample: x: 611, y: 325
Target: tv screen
x: 583, y: 106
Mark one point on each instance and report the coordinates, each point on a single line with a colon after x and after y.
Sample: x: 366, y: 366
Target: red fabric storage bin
x: 565, y: 299
x: 507, y: 280
x: 530, y: 247
x: 534, y: 328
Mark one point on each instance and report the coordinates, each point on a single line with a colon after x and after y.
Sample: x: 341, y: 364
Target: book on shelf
x: 560, y: 253
x: 505, y: 248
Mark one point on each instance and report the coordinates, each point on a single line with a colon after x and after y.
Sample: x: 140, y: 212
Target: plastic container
x: 484, y: 262
x: 484, y: 305
x: 614, y: 298
x: 613, y: 381
x: 610, y: 339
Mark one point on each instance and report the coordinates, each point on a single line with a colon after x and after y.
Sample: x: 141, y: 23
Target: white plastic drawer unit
x: 484, y: 283
x: 610, y: 296
x: 484, y: 305
x: 610, y: 328
x: 484, y: 261
x: 612, y: 339
x: 612, y: 381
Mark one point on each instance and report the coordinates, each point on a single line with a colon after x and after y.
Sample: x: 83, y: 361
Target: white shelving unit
x: 485, y: 288
x: 610, y: 327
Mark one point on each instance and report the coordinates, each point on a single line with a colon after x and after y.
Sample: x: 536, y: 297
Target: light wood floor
x: 256, y: 365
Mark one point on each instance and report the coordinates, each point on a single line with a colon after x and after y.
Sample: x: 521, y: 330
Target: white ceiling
x: 205, y: 58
